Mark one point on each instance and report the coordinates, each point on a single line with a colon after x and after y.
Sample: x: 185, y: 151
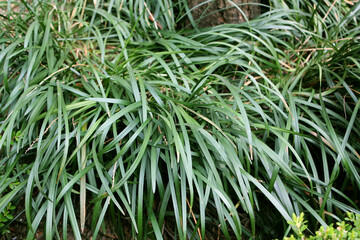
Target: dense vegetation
x: 115, y: 117
x: 346, y: 230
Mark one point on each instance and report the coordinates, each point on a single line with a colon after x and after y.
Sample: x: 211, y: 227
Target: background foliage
x: 113, y: 114
x: 349, y: 229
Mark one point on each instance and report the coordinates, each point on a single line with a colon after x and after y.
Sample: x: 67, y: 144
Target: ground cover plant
x: 116, y: 119
x: 349, y: 229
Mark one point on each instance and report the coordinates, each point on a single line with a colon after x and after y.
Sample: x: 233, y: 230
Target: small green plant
x: 299, y: 224
x: 6, y: 217
x: 346, y: 230
x: 15, y: 137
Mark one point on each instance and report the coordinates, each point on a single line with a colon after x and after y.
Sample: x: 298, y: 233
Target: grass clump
x: 225, y: 132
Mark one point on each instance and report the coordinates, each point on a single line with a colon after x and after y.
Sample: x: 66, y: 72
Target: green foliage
x: 6, y: 214
x: 346, y: 230
x: 109, y: 120
x: 14, y: 137
x: 299, y: 224
x: 5, y: 217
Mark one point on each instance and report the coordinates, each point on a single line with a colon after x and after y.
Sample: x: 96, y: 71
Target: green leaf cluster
x: 6, y: 214
x: 5, y: 217
x: 345, y: 230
